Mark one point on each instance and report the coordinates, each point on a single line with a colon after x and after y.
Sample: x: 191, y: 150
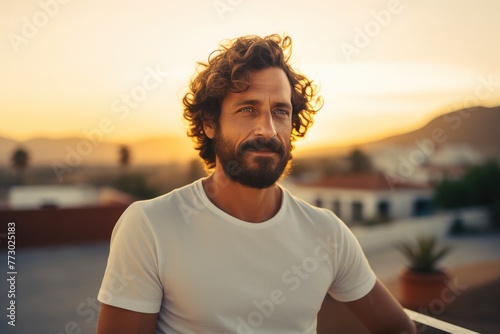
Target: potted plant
x: 422, y: 280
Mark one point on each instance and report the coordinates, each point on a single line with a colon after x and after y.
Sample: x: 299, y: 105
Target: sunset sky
x: 383, y: 66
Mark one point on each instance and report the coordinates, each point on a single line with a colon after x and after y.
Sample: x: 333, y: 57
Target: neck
x: 248, y: 204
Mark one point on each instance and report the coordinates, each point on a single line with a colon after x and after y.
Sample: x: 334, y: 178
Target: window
x: 422, y: 207
x: 357, y: 211
x: 383, y: 210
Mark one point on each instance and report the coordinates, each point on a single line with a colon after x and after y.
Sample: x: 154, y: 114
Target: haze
x: 384, y: 67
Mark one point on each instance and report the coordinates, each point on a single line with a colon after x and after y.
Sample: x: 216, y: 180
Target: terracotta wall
x: 60, y: 226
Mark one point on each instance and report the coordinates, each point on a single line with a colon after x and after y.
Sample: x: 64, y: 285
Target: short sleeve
x: 354, y: 277
x: 131, y: 278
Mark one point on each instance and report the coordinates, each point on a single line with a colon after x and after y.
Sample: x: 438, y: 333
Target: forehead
x: 267, y: 83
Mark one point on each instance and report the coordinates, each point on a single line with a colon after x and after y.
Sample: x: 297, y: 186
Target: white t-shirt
x: 207, y: 272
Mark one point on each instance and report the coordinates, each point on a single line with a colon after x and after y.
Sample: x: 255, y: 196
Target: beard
x: 258, y: 172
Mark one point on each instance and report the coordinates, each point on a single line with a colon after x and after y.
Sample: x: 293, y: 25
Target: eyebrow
x: 254, y: 102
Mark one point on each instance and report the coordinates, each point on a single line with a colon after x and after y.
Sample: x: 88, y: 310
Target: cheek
x: 284, y: 128
x: 230, y: 130
x: 232, y: 137
x: 285, y: 138
x: 237, y: 126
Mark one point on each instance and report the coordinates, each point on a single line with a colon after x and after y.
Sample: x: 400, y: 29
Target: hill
x: 476, y: 127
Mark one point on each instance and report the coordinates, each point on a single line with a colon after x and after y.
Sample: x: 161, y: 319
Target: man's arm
x: 115, y: 320
x: 381, y: 313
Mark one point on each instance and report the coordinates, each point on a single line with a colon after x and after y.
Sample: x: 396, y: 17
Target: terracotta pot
x: 419, y: 290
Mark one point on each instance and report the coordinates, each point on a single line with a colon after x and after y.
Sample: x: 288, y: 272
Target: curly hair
x: 228, y: 70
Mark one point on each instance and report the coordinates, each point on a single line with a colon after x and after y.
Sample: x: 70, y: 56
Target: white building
x: 428, y: 164
x: 456, y: 155
x: 365, y: 198
x: 63, y: 196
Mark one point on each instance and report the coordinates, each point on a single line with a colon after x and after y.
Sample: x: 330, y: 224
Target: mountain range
x: 477, y: 127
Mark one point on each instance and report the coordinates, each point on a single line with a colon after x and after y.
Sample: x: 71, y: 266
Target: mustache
x: 261, y: 144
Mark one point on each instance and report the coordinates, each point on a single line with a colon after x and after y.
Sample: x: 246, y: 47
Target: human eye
x: 245, y: 109
x: 281, y: 112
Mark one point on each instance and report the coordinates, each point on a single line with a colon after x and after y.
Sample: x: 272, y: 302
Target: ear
x: 209, y: 129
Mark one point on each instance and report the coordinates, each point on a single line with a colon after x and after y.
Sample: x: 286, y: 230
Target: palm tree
x: 359, y: 162
x: 124, y: 160
x: 20, y: 161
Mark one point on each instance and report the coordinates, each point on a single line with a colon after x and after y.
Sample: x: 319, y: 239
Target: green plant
x: 457, y: 226
x: 424, y: 255
x: 375, y: 220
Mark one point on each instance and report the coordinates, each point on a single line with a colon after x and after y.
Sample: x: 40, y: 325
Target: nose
x: 265, y: 126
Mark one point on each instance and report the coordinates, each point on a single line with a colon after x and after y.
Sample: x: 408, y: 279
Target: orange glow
x: 95, y: 62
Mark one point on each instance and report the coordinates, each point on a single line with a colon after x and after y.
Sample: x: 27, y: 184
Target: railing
x: 435, y: 323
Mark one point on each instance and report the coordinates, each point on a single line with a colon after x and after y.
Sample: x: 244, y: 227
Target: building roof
x: 364, y: 181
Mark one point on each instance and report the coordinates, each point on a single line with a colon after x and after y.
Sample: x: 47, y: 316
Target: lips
x: 263, y: 151
x: 259, y: 150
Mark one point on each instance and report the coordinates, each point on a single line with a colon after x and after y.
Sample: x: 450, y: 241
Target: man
x: 235, y: 252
